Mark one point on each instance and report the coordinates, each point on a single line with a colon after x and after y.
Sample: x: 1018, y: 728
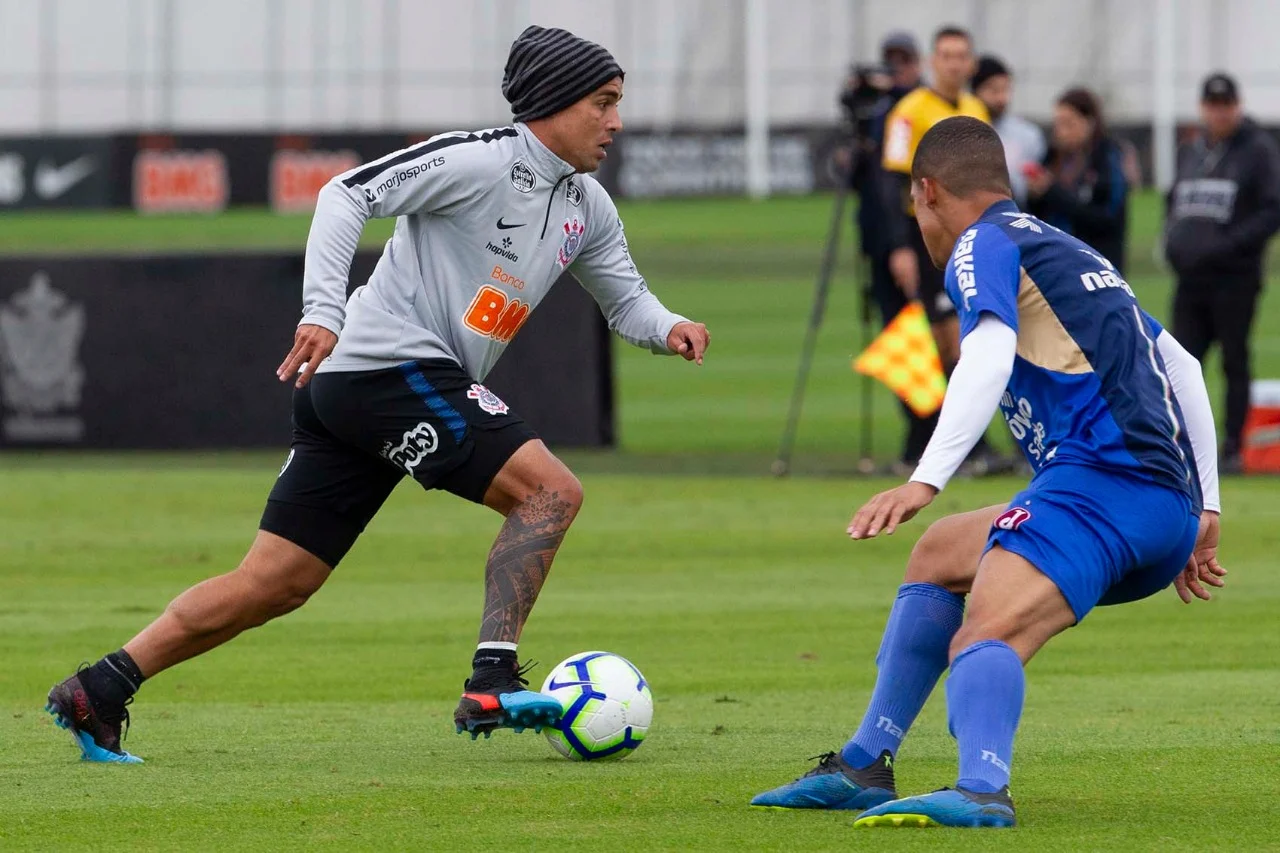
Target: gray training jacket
x: 487, y: 222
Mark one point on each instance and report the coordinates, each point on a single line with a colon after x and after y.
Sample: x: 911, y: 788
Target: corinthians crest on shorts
x: 487, y: 400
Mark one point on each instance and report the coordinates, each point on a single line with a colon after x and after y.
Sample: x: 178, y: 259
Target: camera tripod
x: 862, y: 285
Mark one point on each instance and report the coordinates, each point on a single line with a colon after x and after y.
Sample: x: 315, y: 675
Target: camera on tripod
x: 865, y: 86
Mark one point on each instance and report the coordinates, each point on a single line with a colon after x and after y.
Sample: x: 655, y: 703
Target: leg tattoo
x: 519, y: 562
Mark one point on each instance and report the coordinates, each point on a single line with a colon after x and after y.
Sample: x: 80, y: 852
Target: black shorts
x: 356, y: 434
x: 933, y: 288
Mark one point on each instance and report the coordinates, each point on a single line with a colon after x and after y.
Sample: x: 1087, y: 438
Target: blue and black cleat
x: 96, y: 729
x: 955, y: 807
x: 494, y: 698
x: 835, y: 785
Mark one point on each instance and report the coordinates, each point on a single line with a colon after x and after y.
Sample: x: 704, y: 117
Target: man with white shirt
x: 388, y: 382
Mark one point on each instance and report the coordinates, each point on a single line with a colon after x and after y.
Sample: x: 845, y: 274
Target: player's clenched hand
x: 311, y: 345
x: 690, y: 340
x: 1202, y: 567
x: 889, y: 509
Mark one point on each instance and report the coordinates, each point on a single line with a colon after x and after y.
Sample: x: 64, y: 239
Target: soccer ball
x: 607, y: 706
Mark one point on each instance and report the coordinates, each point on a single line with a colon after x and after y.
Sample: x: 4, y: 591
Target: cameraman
x: 1222, y: 211
x: 869, y: 95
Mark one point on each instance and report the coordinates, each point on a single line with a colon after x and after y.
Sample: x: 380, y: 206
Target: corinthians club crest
x: 573, y: 230
x: 40, y: 372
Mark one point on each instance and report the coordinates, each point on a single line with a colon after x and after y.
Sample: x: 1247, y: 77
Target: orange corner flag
x: 905, y: 358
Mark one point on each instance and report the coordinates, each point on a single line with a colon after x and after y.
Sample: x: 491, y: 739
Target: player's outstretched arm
x: 1186, y: 380
x: 980, y: 377
x: 410, y: 181
x: 607, y: 272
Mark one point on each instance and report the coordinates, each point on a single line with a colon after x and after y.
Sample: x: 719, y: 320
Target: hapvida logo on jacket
x: 503, y: 251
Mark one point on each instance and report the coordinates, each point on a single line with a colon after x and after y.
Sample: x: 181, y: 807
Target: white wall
x: 73, y: 65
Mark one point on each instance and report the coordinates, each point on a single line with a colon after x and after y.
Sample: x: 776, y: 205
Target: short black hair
x: 964, y: 156
x: 951, y: 31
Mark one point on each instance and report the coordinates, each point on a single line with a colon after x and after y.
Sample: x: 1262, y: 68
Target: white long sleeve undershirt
x: 1187, y: 382
x: 973, y: 393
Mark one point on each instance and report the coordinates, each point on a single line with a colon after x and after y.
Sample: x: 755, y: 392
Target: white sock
x: 506, y: 647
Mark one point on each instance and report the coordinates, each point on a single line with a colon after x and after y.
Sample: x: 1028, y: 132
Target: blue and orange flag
x: 904, y: 358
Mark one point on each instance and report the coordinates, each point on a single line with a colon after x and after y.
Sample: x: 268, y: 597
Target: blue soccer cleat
x: 95, y: 727
x: 948, y: 807
x: 493, y: 699
x: 833, y: 784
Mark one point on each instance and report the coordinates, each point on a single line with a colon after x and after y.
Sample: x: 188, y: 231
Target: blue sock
x: 912, y: 656
x: 984, y: 703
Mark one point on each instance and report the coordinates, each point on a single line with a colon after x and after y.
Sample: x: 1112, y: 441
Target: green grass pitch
x: 1151, y: 726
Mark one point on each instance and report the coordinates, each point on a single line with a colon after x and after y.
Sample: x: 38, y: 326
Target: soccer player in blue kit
x: 1113, y: 416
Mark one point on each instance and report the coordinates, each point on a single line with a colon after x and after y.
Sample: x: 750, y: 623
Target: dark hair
x: 964, y: 156
x: 988, y: 67
x: 951, y: 31
x: 1086, y: 103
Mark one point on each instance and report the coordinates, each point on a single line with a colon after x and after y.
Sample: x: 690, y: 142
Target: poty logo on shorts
x: 416, y: 445
x: 1012, y: 519
x: 486, y: 399
x: 523, y: 178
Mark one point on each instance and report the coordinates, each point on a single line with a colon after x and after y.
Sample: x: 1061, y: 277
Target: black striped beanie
x: 549, y: 69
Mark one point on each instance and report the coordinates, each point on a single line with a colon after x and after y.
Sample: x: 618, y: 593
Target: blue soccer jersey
x: 1088, y: 384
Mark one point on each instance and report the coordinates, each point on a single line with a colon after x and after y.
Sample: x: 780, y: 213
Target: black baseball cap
x: 988, y: 66
x: 1220, y: 88
x: 899, y: 40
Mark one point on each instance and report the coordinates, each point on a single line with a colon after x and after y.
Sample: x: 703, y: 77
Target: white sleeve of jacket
x: 426, y: 177
x: 1187, y: 381
x: 607, y: 272
x: 973, y: 393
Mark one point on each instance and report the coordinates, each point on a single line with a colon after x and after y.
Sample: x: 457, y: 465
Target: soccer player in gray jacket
x: 388, y: 382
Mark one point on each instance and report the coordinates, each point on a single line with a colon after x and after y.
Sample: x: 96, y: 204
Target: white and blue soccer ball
x: 607, y: 706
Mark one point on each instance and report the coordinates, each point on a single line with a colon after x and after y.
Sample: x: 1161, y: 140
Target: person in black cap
x: 870, y: 93
x: 387, y: 383
x: 1023, y: 141
x: 1222, y: 210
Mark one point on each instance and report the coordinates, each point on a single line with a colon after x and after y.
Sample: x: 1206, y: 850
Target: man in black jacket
x: 1221, y: 212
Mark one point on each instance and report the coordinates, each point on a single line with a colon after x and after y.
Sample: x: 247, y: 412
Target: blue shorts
x: 1103, y: 537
